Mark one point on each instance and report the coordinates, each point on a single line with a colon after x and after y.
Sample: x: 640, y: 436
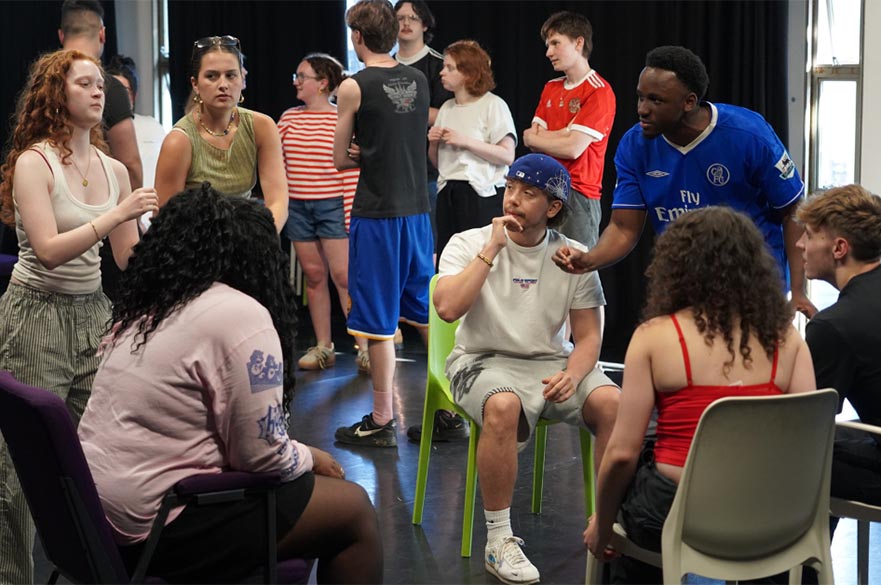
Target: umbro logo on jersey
x: 657, y: 174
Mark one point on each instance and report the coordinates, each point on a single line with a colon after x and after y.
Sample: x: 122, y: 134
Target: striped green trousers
x: 48, y: 340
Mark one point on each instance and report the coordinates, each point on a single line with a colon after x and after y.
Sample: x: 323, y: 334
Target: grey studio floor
x: 430, y: 553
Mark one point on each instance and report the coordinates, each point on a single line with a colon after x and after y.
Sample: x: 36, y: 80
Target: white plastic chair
x: 862, y: 513
x: 753, y: 498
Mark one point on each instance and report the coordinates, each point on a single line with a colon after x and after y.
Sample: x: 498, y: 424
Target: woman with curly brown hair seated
x: 716, y: 324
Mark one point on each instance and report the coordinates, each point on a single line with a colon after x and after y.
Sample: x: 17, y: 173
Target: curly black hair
x: 714, y: 261
x: 201, y: 237
x: 687, y: 66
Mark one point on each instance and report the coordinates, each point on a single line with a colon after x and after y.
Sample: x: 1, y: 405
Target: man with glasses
x: 415, y: 23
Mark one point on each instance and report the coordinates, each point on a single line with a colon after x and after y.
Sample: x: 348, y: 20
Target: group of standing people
x: 209, y: 264
x: 204, y: 310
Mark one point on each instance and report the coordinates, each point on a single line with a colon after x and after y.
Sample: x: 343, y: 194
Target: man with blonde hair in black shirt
x: 842, y: 246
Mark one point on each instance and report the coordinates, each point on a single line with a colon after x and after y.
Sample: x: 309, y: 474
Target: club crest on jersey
x: 574, y: 105
x: 718, y: 174
x: 524, y: 283
x: 785, y: 166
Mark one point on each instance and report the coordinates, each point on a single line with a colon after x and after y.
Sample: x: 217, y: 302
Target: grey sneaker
x: 317, y: 358
x: 506, y: 561
x: 367, y: 433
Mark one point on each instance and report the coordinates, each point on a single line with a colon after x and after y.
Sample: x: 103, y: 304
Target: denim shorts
x: 313, y: 219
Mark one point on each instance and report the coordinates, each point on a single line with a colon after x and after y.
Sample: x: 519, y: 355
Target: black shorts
x: 221, y: 543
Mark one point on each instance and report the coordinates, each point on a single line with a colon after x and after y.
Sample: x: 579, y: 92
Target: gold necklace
x: 232, y: 118
x: 88, y: 167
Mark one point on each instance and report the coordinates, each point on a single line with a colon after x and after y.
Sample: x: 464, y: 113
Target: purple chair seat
x: 61, y: 494
x: 7, y: 261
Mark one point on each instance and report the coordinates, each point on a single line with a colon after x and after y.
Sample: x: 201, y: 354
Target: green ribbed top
x: 232, y: 171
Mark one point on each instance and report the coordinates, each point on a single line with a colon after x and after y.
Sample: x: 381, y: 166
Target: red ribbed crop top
x: 680, y: 411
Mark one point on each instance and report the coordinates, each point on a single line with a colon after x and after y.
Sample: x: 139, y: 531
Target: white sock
x: 498, y: 524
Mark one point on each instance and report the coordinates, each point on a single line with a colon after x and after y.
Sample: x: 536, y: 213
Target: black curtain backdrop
x: 29, y: 30
x: 743, y: 43
x: 275, y: 36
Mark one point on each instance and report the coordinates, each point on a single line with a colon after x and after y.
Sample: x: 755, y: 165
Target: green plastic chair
x: 441, y: 339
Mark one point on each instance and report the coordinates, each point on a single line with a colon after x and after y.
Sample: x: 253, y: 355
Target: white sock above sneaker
x: 498, y: 524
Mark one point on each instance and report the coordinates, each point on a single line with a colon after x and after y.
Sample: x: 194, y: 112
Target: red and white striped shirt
x: 307, y: 144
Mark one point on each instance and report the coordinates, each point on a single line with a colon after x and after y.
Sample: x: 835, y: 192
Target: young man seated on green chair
x: 512, y: 362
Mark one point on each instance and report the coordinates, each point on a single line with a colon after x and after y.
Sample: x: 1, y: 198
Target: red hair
x: 475, y: 65
x: 41, y: 114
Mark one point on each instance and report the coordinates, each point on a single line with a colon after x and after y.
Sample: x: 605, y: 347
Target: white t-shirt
x: 522, y: 307
x: 150, y: 135
x: 489, y: 120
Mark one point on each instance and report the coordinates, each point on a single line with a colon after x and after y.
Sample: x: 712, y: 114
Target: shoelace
x: 321, y: 354
x: 512, y: 553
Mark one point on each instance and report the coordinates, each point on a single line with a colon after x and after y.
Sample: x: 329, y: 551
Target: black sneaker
x: 448, y: 426
x: 368, y: 434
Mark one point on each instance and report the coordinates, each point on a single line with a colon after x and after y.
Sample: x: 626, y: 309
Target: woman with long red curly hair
x: 63, y: 194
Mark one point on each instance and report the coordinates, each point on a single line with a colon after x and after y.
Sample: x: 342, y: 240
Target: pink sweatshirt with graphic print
x: 203, y: 395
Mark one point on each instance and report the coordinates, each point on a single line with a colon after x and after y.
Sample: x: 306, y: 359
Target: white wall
x: 136, y: 29
x: 870, y: 165
x: 797, y: 59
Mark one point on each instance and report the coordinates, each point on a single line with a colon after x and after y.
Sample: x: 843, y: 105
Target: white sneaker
x: 506, y: 560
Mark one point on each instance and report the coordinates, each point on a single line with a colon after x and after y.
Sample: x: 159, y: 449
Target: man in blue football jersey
x: 686, y: 153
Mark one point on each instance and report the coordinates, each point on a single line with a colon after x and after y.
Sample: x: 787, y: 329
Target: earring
x: 241, y: 98
x: 57, y: 111
x: 197, y: 98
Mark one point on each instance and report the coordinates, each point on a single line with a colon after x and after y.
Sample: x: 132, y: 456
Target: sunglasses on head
x: 224, y: 41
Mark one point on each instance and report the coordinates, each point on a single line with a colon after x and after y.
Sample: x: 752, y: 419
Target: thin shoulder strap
x: 685, y: 349
x: 774, y: 363
x: 42, y: 154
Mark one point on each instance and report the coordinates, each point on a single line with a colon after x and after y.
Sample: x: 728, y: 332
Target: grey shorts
x: 476, y: 377
x: 583, y: 224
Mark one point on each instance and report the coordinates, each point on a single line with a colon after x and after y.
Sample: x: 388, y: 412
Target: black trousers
x: 460, y: 208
